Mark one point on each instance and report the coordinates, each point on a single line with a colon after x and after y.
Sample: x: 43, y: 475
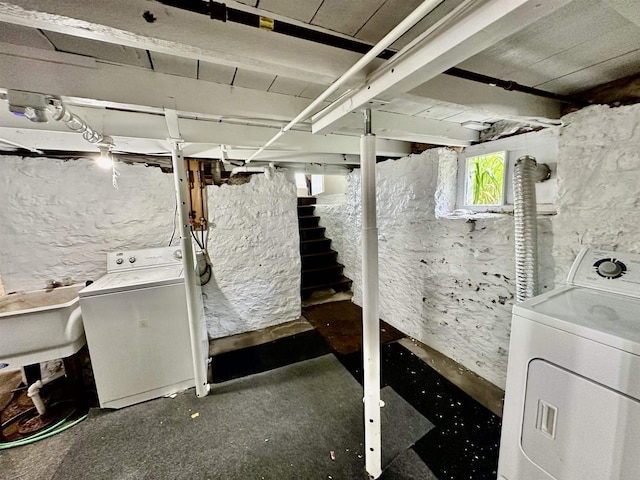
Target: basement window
x: 477, y: 182
x: 484, y: 180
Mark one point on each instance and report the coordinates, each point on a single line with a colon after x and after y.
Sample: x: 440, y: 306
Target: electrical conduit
x: 414, y: 17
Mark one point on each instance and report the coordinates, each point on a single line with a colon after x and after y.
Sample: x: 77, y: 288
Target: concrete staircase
x: 320, y: 268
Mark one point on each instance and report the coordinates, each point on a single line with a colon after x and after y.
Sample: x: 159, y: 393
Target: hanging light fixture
x: 105, y: 160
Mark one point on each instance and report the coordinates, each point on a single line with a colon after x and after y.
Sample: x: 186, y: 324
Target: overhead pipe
x: 526, y: 174
x: 414, y: 17
x: 221, y: 11
x: 370, y: 310
x: 512, y: 86
x: 225, y: 13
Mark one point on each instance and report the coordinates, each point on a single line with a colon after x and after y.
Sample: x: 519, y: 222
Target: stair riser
x: 308, y: 222
x: 315, y: 247
x: 318, y: 278
x: 342, y: 286
x: 319, y: 261
x: 306, y: 201
x: 312, y: 234
x: 305, y: 210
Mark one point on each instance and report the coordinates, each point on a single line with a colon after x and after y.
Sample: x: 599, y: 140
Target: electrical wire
x: 207, y: 269
x: 195, y: 237
x: 175, y: 214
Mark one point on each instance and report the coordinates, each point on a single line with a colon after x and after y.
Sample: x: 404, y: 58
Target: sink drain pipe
x: 33, y: 391
x: 526, y: 173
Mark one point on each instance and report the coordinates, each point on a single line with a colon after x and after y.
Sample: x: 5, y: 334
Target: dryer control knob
x: 132, y: 259
x: 119, y: 261
x: 178, y: 254
x: 610, y: 269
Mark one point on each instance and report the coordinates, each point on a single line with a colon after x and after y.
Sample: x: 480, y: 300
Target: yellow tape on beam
x: 266, y: 23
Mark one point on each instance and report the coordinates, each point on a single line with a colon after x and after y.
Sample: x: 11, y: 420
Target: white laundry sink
x: 40, y: 326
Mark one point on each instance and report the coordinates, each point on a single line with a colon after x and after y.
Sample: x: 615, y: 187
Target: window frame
x: 450, y: 193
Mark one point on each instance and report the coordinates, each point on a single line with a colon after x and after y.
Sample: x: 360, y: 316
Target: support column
x: 370, y: 315
x: 197, y: 329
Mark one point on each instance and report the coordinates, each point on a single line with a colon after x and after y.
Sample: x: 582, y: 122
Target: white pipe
x: 197, y: 332
x: 414, y: 17
x: 370, y: 315
x: 33, y: 391
x: 19, y: 145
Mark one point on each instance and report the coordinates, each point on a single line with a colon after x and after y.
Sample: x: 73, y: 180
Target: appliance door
x: 576, y: 429
x: 139, y: 344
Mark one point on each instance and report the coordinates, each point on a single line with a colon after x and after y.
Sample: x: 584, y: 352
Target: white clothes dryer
x: 572, y: 403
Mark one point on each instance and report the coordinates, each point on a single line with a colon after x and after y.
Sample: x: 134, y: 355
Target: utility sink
x: 40, y: 326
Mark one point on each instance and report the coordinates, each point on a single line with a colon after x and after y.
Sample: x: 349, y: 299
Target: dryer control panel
x: 151, y: 257
x: 614, y: 272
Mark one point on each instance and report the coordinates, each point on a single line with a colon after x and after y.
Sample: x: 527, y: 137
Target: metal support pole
x: 370, y: 316
x: 197, y: 329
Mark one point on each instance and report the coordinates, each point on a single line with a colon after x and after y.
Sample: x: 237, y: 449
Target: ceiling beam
x: 495, y: 101
x: 414, y: 129
x: 56, y: 73
x: 88, y: 82
x: 147, y: 133
x: 186, y: 34
x: 471, y: 28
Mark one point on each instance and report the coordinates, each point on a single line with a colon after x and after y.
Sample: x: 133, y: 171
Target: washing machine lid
x: 604, y: 317
x: 134, y: 280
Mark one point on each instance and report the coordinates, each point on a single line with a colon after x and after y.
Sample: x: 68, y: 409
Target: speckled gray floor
x: 281, y: 424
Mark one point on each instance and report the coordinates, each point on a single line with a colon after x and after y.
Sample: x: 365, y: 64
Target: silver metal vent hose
x: 525, y: 223
x: 76, y: 124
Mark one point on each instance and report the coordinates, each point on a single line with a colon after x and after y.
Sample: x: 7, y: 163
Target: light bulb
x: 105, y: 160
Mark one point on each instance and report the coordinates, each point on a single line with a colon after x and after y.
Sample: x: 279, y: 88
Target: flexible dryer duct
x: 526, y: 174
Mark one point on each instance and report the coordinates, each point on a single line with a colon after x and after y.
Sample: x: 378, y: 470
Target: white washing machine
x: 137, y: 327
x: 572, y: 404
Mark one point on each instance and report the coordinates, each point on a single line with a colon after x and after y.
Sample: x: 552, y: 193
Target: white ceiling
x: 581, y: 45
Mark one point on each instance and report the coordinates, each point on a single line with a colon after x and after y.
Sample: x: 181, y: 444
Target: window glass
x: 485, y: 179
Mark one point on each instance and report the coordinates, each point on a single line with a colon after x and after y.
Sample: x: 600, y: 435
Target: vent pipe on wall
x: 527, y: 172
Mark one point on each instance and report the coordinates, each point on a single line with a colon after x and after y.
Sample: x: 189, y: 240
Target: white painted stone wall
x: 60, y: 218
x: 450, y: 283
x: 255, y: 249
x: 599, y: 183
